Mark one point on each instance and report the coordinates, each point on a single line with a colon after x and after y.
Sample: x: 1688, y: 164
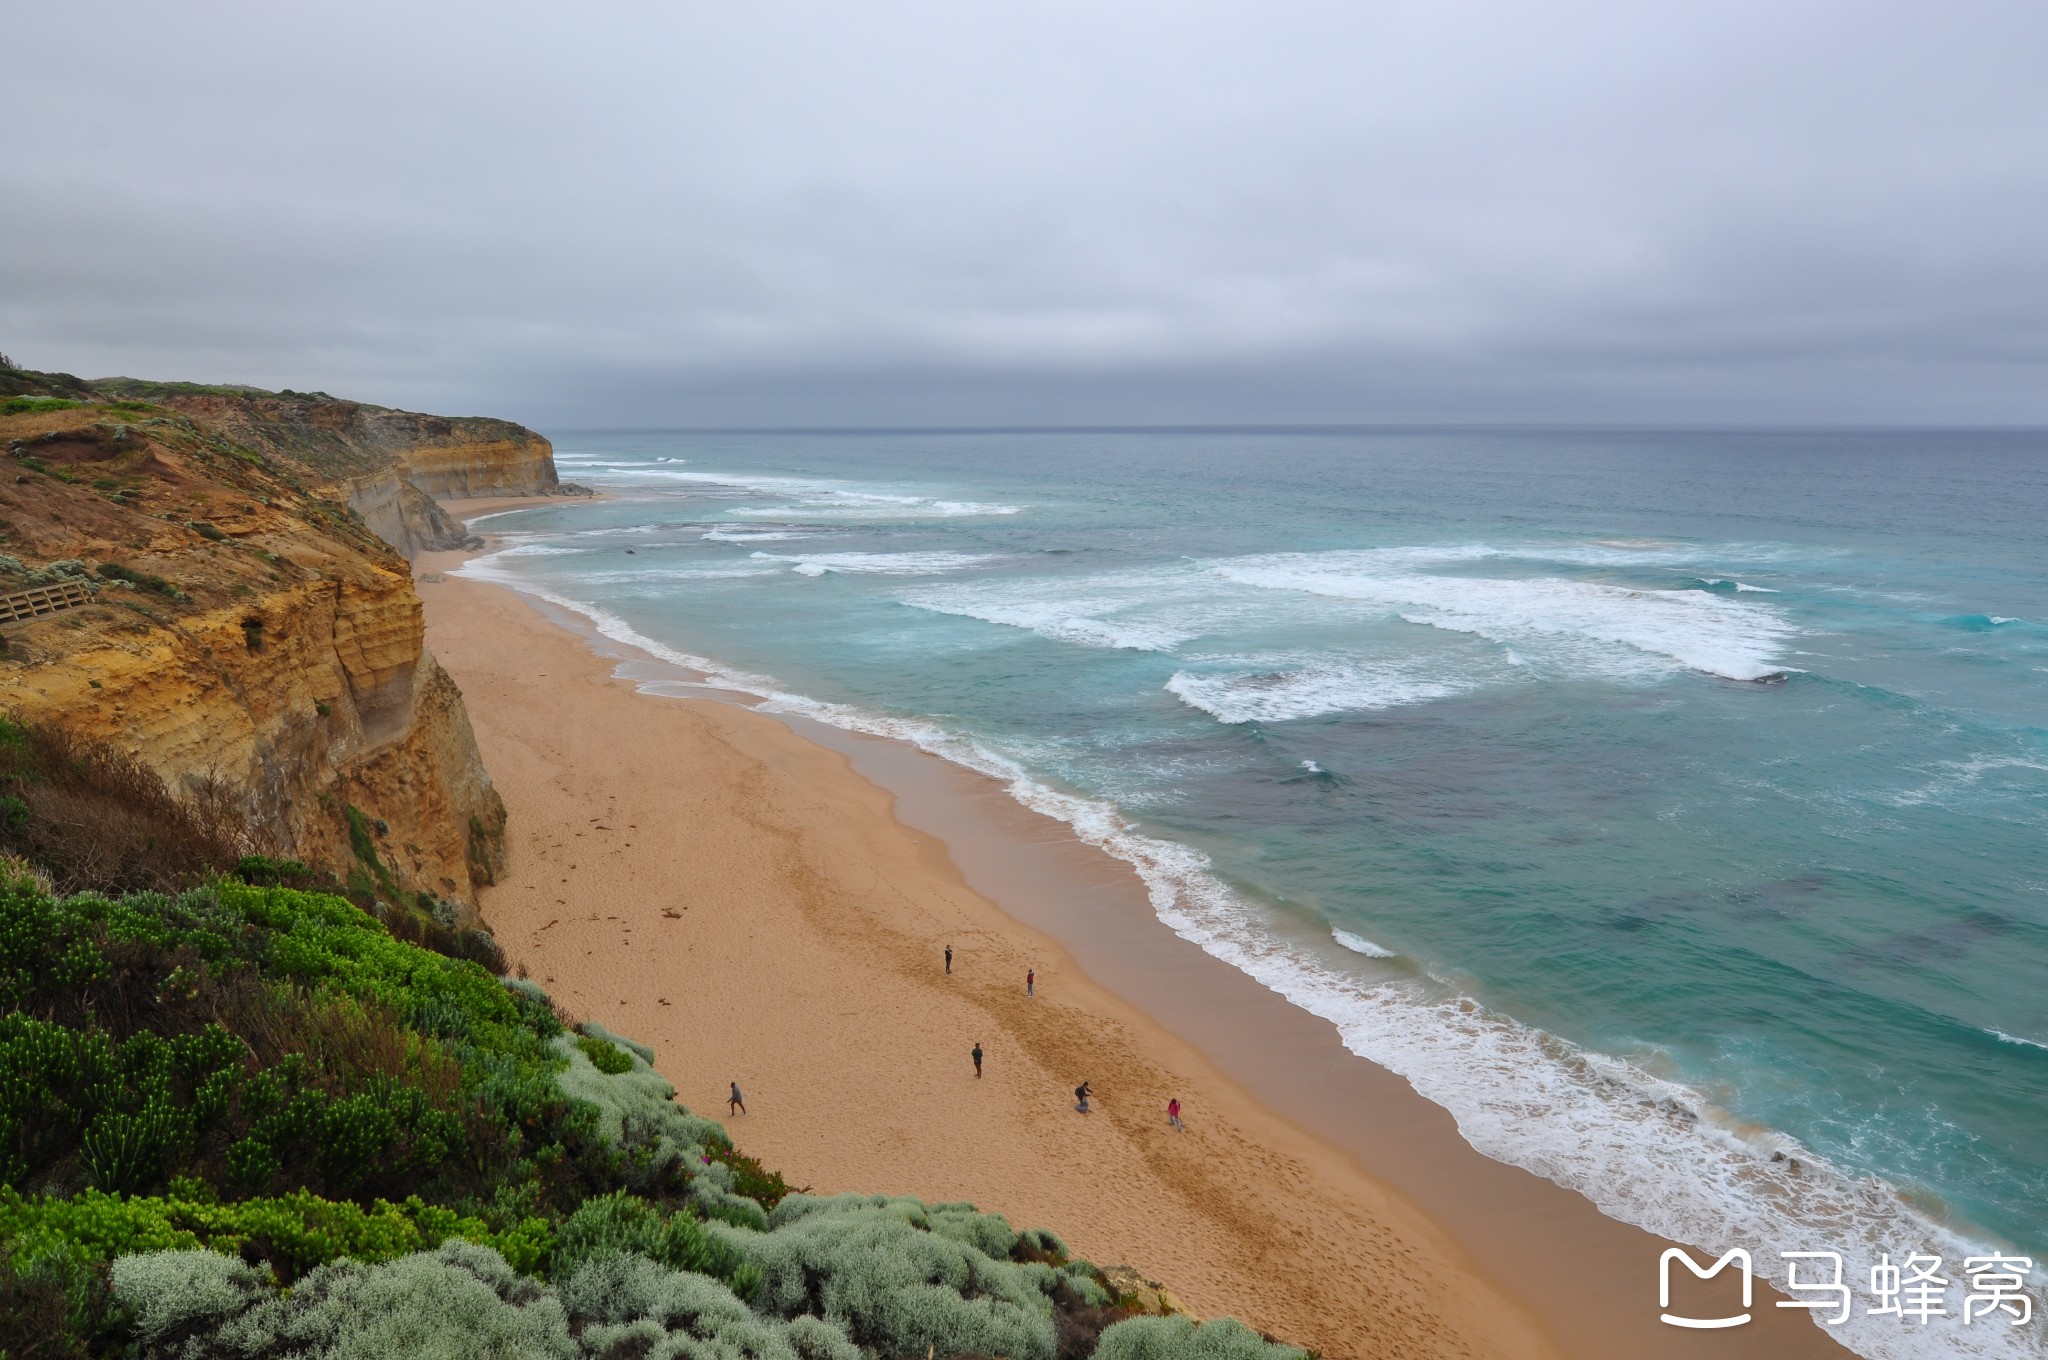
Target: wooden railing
x: 30, y: 604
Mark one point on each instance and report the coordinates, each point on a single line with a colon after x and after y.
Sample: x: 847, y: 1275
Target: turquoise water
x: 1657, y: 802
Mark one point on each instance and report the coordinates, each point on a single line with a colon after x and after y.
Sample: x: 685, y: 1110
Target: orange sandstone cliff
x: 389, y: 466
x: 247, y: 629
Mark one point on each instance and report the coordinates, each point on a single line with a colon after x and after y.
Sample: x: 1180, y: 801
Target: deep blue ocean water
x: 1672, y: 806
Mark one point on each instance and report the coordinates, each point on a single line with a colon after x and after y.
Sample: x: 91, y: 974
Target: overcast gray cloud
x: 1048, y: 212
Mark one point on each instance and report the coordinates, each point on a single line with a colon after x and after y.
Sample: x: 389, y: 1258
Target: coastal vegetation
x: 245, y: 1119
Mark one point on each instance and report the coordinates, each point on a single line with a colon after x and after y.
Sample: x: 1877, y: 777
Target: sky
x: 621, y: 214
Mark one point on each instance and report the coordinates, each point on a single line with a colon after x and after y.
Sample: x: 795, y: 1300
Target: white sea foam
x: 808, y: 498
x: 879, y: 563
x: 1081, y: 621
x: 538, y: 550
x: 1952, y: 777
x: 610, y: 625
x: 1278, y: 688
x: 1358, y: 944
x: 1154, y: 610
x: 623, y: 531
x: 1581, y: 623
x: 1644, y: 1150
x: 1739, y: 585
x: 2000, y: 619
x: 2005, y: 1038
x: 1312, y: 767
x: 741, y: 533
x: 877, y: 507
x: 659, y: 576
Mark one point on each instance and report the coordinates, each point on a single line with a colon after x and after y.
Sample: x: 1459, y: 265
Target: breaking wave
x: 1358, y: 944
x: 1276, y: 689
x: 879, y: 563
x: 1616, y: 629
x: 809, y: 498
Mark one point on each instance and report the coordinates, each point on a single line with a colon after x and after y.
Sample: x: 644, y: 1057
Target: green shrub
x: 294, y: 1233
x: 50, y: 1305
x: 140, y: 580
x: 264, y: 872
x: 608, y: 1225
x: 15, y: 406
x: 605, y: 1057
x: 1180, y: 1338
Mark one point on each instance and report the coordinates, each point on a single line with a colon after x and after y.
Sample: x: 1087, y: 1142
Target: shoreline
x: 1537, y: 1269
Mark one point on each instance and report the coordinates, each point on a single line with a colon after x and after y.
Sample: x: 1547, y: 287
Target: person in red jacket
x: 1173, y: 1114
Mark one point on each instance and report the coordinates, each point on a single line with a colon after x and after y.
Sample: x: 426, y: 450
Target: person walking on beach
x: 976, y: 1055
x: 735, y: 1103
x: 1031, y: 982
x: 949, y: 960
x: 1173, y: 1114
x: 1081, y: 1096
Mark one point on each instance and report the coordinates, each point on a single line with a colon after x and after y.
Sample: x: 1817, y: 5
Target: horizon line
x: 1331, y: 427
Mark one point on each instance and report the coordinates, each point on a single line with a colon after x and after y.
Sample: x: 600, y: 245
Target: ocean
x: 1671, y: 806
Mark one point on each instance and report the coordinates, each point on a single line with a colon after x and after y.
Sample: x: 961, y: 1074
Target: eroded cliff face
x: 402, y: 515
x: 389, y: 465
x: 247, y: 629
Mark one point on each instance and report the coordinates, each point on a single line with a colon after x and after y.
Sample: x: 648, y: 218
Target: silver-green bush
x: 628, y: 1302
x: 897, y: 1288
x: 169, y: 1291
x: 459, y: 1302
x: 958, y: 1221
x: 1179, y: 1338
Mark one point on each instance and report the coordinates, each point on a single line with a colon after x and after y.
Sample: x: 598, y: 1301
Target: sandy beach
x: 772, y: 906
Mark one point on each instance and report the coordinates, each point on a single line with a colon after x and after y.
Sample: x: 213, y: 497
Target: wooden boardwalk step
x: 41, y: 600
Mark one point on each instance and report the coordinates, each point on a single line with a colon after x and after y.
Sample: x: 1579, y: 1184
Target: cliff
x: 247, y: 629
x: 389, y: 466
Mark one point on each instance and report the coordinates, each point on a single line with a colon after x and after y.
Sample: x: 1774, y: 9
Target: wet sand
x: 769, y: 900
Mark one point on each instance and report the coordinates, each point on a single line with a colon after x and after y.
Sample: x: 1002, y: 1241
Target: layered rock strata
x: 390, y: 466
x: 249, y: 630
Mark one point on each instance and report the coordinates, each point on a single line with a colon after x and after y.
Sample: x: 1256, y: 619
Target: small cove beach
x: 767, y: 900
